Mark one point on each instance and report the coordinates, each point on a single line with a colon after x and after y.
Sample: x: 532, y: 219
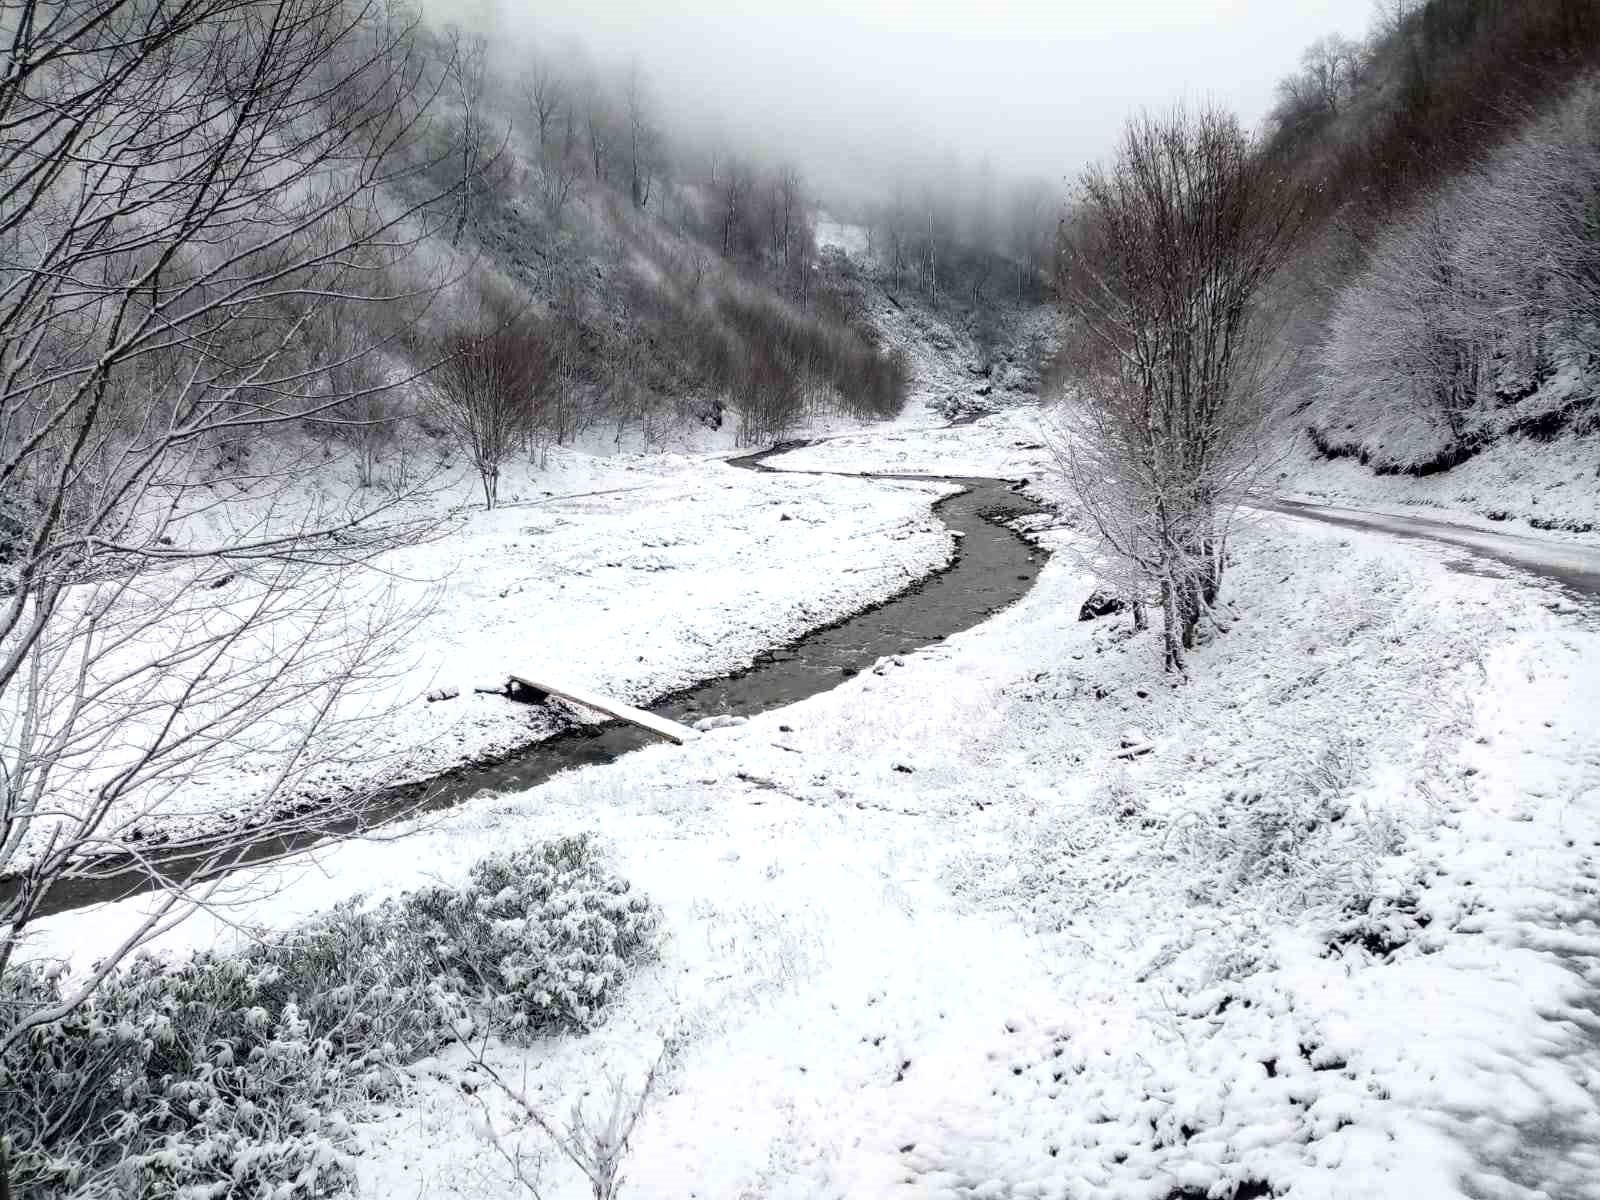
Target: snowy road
x: 1574, y: 566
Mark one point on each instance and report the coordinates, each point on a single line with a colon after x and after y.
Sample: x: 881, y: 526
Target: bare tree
x: 178, y: 212
x: 643, y: 138
x: 366, y: 421
x: 1163, y: 269
x: 488, y: 388
x: 896, y: 221
x: 788, y: 208
x: 546, y: 93
x: 597, y: 126
x: 735, y: 193
x: 775, y: 229
x: 466, y: 69
x: 1331, y: 67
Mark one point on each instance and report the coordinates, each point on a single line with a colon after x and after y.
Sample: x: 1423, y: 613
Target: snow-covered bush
x: 1304, y: 845
x: 227, y: 1076
x: 539, y: 942
x: 1478, y: 312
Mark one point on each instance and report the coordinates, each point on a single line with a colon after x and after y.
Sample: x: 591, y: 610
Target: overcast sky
x: 844, y: 86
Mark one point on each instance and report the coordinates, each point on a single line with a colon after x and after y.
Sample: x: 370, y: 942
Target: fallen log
x: 660, y: 726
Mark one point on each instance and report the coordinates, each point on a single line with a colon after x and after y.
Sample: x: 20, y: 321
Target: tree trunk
x: 1212, y: 583
x: 1189, y: 607
x: 1171, y: 639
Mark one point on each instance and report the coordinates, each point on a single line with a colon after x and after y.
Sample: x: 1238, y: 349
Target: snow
x: 1516, y: 479
x: 1011, y: 444
x: 635, y: 576
x: 925, y: 937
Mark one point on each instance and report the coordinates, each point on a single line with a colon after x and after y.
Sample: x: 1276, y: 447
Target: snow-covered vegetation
x: 360, y: 369
x: 239, y: 1073
x: 926, y: 933
x: 1447, y: 304
x: 1478, y: 314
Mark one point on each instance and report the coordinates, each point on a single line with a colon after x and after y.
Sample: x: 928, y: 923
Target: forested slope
x: 1448, y: 324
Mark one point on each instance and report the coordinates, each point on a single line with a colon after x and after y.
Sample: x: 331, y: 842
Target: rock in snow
x: 725, y: 721
x: 1101, y: 603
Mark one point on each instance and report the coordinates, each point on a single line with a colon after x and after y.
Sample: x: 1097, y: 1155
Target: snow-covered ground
x: 667, y: 573
x: 632, y: 575
x: 1010, y: 444
x: 1515, y: 482
x: 625, y: 564
x: 925, y: 935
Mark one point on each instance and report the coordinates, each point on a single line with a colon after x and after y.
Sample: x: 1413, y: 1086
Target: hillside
x: 1446, y: 345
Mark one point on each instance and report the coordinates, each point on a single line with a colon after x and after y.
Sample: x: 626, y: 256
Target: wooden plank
x: 670, y: 730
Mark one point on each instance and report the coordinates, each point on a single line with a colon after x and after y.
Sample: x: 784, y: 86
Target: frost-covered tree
x: 644, y: 138
x: 1473, y: 299
x: 1165, y: 263
x: 188, y: 189
x: 1532, y: 244
x: 1405, y: 336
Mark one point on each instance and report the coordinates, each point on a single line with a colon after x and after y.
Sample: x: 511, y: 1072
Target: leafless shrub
x: 597, y: 1144
x: 489, y: 386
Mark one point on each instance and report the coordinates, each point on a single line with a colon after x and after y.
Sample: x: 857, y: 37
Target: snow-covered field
x: 1011, y: 444
x: 925, y: 935
x: 1514, y: 482
x: 667, y: 572
x: 633, y: 575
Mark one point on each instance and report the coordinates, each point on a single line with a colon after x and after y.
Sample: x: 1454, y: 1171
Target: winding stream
x: 993, y: 567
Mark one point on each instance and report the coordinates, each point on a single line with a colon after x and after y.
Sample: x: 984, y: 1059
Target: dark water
x: 992, y: 569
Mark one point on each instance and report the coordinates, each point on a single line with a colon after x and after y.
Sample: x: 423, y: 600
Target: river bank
x: 925, y: 934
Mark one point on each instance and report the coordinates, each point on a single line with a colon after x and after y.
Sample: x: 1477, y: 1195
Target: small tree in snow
x: 1162, y: 272
x: 487, y: 392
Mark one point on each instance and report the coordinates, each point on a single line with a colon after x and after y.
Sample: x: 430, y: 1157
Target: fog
x: 858, y: 90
